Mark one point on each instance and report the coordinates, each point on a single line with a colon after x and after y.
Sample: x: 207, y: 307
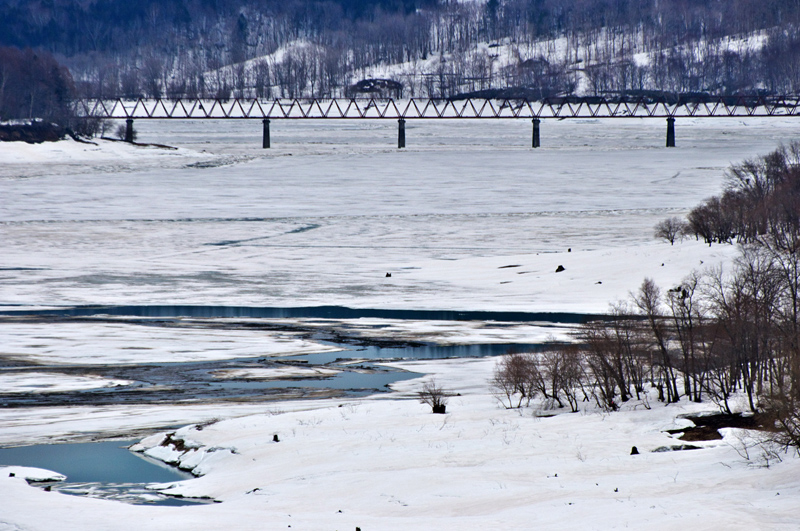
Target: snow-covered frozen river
x: 467, y: 218
x: 323, y: 216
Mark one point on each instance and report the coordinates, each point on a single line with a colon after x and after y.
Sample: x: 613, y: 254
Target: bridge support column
x: 535, y: 140
x: 265, y: 140
x: 129, y: 130
x: 401, y: 133
x: 671, y: 131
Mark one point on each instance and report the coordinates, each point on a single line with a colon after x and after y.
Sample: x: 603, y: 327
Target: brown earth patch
x: 707, y: 426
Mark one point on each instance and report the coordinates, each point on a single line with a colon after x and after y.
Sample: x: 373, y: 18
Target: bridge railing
x: 419, y: 108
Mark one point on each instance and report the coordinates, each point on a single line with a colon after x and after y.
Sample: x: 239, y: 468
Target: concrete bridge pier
x: 265, y: 139
x: 401, y: 133
x: 535, y: 140
x: 129, y: 130
x: 671, y: 131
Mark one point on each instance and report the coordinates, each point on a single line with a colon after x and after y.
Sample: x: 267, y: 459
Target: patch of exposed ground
x: 706, y: 427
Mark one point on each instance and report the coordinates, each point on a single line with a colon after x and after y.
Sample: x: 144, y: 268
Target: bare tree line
x: 194, y: 48
x: 715, y: 336
x: 33, y: 86
x: 312, y: 70
x: 759, y: 205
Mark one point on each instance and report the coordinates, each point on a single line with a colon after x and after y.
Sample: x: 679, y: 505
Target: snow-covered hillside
x: 597, y: 62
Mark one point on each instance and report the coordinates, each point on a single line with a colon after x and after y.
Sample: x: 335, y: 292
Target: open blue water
x: 423, y: 352
x: 108, y: 462
x: 100, y: 469
x: 109, y: 470
x: 358, y: 383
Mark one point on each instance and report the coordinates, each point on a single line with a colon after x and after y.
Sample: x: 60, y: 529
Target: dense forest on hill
x: 433, y: 48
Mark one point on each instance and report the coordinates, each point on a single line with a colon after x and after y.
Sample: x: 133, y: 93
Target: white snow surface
x: 30, y: 474
x: 98, y: 343
x: 320, y: 219
x: 48, y: 382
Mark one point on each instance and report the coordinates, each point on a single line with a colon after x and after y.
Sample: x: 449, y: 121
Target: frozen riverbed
x: 466, y: 218
x: 322, y: 217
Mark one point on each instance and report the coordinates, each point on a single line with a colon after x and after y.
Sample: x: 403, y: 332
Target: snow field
x: 324, y: 225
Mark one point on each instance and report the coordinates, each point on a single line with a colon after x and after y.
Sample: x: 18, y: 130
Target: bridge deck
x: 442, y: 109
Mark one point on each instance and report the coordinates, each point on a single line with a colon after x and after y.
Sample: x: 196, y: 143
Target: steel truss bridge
x: 419, y: 108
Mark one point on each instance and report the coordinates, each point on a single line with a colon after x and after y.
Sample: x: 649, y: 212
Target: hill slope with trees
x: 267, y: 48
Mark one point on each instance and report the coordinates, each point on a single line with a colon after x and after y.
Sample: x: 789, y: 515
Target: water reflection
x: 424, y: 352
x: 318, y: 312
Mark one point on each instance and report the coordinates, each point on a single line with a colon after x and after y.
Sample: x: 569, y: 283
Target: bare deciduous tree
x: 517, y: 376
x: 670, y: 229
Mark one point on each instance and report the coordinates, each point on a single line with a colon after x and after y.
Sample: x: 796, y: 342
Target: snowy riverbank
x: 391, y: 464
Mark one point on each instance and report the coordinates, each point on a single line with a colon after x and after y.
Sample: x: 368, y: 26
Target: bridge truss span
x: 415, y: 108
x: 418, y: 108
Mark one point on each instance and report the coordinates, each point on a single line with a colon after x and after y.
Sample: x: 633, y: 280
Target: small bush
x: 120, y: 133
x: 434, y: 396
x: 88, y: 126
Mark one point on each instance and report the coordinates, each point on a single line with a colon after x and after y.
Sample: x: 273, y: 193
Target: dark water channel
x: 109, y: 470
x: 359, y: 373
x: 100, y: 470
x: 201, y: 381
x: 308, y: 312
x: 421, y: 352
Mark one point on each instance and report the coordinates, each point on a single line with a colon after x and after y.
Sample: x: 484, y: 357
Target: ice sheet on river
x: 103, y: 343
x: 324, y: 225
